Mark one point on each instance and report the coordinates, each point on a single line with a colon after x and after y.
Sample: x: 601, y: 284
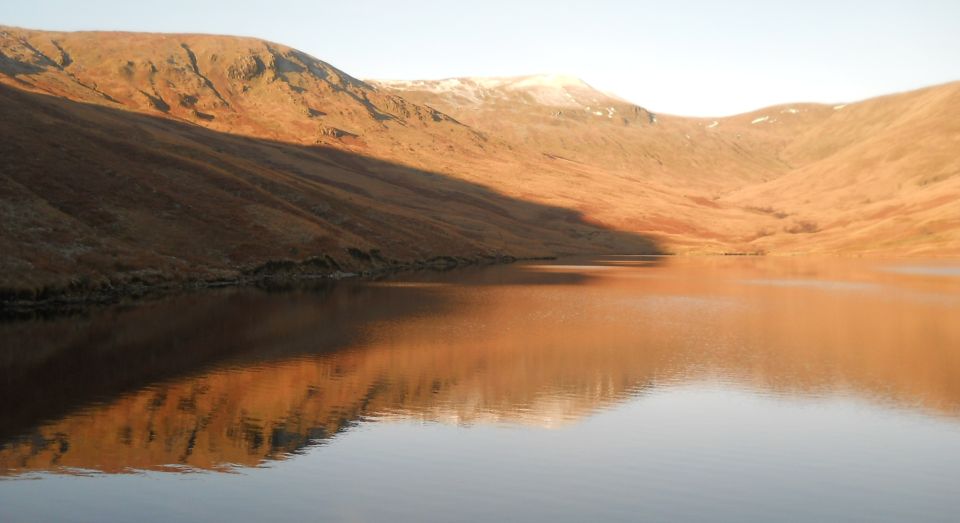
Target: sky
x: 697, y: 58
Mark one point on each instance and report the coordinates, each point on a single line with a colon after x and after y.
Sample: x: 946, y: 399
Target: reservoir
x: 619, y: 388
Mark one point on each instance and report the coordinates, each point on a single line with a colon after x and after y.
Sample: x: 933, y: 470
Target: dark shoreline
x: 271, y: 274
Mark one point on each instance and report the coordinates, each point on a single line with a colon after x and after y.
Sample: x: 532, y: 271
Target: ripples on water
x: 624, y: 388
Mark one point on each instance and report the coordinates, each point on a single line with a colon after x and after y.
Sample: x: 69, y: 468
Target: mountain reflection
x: 219, y: 380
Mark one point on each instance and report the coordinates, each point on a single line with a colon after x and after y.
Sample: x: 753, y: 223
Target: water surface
x: 617, y: 388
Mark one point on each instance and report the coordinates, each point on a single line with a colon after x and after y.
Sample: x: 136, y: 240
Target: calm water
x: 621, y: 388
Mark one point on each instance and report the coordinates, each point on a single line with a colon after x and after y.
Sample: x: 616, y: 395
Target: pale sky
x: 702, y: 58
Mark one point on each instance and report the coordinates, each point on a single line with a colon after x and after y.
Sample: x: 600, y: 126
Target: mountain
x: 565, y: 117
x: 876, y: 176
x: 140, y: 159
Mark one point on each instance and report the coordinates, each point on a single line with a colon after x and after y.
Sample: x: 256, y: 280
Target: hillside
x: 146, y: 158
x: 564, y: 117
x: 876, y: 176
x: 103, y: 187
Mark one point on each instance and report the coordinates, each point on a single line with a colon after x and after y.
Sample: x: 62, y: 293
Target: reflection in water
x: 221, y: 380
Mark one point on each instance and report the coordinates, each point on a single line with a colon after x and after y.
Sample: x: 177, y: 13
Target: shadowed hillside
x: 94, y: 196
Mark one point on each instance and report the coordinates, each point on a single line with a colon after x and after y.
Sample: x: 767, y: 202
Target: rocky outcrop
x: 246, y: 68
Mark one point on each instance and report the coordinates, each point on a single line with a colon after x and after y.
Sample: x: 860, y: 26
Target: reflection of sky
x: 700, y: 452
x: 817, y: 284
x: 927, y: 270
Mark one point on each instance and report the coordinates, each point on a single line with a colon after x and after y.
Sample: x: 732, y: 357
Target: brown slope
x: 92, y: 195
x: 565, y: 117
x: 239, y: 85
x: 880, y: 175
x: 874, y: 176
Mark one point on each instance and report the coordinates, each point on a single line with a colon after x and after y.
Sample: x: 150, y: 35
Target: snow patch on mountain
x: 542, y: 80
x: 546, y: 89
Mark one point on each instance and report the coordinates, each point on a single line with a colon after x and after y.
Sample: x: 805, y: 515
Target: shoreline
x: 264, y: 275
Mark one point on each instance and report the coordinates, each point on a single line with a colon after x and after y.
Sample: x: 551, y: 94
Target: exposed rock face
x: 246, y: 68
x: 336, y: 133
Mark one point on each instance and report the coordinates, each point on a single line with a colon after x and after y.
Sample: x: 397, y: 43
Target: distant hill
x: 875, y: 176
